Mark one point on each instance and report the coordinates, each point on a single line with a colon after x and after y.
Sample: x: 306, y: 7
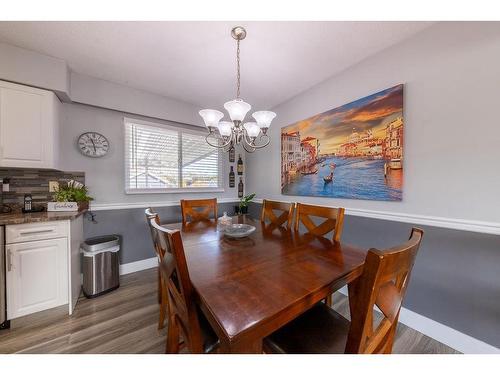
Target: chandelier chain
x: 238, y: 69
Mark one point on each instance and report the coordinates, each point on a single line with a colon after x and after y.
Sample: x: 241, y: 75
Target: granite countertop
x: 37, y: 217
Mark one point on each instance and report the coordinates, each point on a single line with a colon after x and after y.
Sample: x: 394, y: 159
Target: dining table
x: 250, y: 287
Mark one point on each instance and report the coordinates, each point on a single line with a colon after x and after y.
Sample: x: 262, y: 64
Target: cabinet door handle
x: 9, y: 260
x: 24, y: 233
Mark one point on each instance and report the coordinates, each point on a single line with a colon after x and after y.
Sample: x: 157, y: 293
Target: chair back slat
x: 334, y: 219
x: 198, y: 209
x: 151, y: 215
x: 183, y: 315
x: 285, y: 215
x: 383, y: 284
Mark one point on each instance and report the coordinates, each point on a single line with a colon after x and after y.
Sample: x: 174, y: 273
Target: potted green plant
x: 72, y: 197
x: 242, y: 208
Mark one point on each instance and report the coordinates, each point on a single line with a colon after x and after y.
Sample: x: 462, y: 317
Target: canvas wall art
x: 353, y: 151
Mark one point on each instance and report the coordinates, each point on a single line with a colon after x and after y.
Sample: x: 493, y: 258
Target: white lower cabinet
x: 43, y: 266
x: 37, y: 276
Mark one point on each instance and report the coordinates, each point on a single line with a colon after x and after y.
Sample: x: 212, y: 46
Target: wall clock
x: 93, y: 144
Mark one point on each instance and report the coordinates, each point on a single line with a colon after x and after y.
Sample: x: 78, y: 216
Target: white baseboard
x: 138, y: 266
x: 449, y: 336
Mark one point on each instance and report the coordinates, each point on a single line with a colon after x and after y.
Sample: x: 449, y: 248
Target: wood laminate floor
x: 125, y: 321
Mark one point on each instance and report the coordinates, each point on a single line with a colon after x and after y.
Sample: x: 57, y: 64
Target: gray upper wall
x: 105, y: 94
x: 451, y: 76
x: 105, y: 177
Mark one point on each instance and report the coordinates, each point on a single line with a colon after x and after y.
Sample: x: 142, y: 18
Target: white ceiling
x: 195, y: 61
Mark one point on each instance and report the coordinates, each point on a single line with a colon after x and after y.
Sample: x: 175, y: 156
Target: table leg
x: 242, y: 347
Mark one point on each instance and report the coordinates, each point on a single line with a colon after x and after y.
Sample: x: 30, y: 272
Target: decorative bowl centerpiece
x: 239, y: 230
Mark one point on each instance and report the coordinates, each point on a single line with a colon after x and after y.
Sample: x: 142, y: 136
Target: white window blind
x: 160, y: 158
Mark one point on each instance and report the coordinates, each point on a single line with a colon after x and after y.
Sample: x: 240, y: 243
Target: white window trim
x: 222, y: 175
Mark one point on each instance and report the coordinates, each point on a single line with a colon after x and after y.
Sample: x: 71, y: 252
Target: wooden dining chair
x: 151, y: 215
x: 285, y: 213
x: 198, y: 209
x: 383, y: 283
x: 334, y: 219
x: 184, y: 316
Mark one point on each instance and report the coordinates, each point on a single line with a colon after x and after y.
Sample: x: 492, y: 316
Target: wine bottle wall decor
x: 232, y: 178
x: 240, y: 188
x: 239, y: 168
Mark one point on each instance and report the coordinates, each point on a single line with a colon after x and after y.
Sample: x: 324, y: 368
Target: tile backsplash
x: 34, y: 182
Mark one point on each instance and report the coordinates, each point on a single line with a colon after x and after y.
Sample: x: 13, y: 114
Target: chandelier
x: 251, y: 135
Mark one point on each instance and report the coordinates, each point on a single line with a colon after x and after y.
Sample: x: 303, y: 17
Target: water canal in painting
x: 353, y: 177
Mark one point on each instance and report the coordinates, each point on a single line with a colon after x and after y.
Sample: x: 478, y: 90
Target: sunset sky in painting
x: 334, y: 126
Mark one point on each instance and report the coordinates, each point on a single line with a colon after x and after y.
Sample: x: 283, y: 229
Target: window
x: 160, y: 158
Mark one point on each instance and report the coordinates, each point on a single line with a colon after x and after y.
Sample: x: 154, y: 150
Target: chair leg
x: 329, y: 301
x: 163, y: 313
x: 163, y: 307
x: 159, y: 286
x: 172, y: 346
x: 390, y: 338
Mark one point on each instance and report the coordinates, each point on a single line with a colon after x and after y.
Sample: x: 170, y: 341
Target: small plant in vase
x: 72, y: 197
x: 244, y: 202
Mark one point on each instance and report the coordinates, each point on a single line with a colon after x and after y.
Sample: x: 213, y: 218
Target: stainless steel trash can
x: 100, y: 265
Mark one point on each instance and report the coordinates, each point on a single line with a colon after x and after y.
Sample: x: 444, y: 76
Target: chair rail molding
x: 126, y: 206
x: 433, y: 221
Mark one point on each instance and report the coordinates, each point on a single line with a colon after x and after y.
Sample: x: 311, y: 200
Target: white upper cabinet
x: 29, y: 124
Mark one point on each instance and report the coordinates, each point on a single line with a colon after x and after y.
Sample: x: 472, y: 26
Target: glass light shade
x: 225, y: 128
x: 252, y: 129
x: 211, y: 117
x: 237, y: 109
x: 264, y: 118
